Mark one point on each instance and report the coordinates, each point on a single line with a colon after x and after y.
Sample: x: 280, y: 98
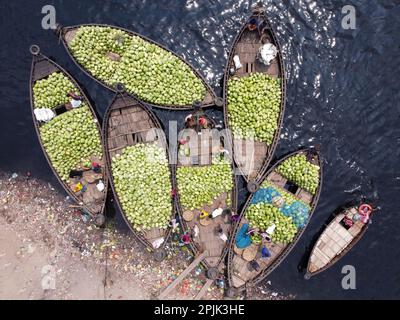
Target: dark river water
x: 343, y: 93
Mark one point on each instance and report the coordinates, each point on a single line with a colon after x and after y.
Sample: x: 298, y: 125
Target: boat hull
x: 128, y: 114
x: 208, y: 239
x: 253, y: 159
x: 334, y: 231
x: 210, y: 99
x: 41, y: 68
x: 240, y: 277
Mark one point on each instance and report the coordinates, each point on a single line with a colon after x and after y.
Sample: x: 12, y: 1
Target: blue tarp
x: 243, y: 240
x: 297, y: 210
x: 265, y: 195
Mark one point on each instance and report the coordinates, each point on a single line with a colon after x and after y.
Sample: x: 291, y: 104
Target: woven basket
x: 237, y: 250
x: 92, y: 177
x: 188, y: 216
x: 250, y: 253
x: 205, y: 222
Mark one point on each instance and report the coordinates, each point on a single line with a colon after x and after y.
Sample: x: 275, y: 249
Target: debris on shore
x: 42, y: 215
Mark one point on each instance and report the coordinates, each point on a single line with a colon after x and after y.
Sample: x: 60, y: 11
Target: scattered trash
x: 221, y: 283
x: 198, y: 271
x: 174, y: 224
x: 100, y: 186
x: 157, y: 243
x: 85, y: 217
x: 49, y: 217
x: 14, y: 176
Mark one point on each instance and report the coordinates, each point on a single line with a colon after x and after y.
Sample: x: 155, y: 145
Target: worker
x: 255, y: 265
x: 243, y: 240
x: 204, y: 214
x: 79, y: 187
x: 222, y: 235
x: 253, y: 24
x: 96, y: 167
x: 235, y: 218
x: 265, y: 252
x: 252, y: 232
x: 185, y: 240
x: 203, y: 122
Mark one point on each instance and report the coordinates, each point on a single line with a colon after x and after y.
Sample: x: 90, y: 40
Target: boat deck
x: 241, y: 271
x: 43, y: 69
x: 251, y: 156
x: 239, y: 259
x: 92, y: 199
x: 334, y: 240
x: 129, y: 124
x: 202, y: 148
x: 70, y: 34
x: 208, y: 238
x: 247, y: 49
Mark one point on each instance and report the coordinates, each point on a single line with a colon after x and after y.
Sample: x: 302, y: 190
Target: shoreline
x: 49, y: 251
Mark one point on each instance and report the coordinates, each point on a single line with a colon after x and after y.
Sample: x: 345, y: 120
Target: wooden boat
x: 338, y: 238
x: 91, y: 181
x: 128, y: 123
x: 253, y: 159
x: 209, y: 222
x: 68, y: 34
x: 247, y: 264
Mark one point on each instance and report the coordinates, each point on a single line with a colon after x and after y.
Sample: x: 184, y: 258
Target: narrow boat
x: 274, y: 218
x: 206, y: 191
x: 148, y: 70
x: 254, y: 95
x: 140, y: 175
x: 69, y: 134
x: 339, y: 237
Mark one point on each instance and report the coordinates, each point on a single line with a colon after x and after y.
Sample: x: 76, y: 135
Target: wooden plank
x: 237, y: 281
x: 43, y: 69
x: 305, y: 196
x: 204, y: 290
x: 116, y: 112
x: 153, y: 234
x: 182, y: 276
x: 70, y: 35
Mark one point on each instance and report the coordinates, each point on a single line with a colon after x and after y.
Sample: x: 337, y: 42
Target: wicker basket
x: 188, y: 216
x: 205, y: 222
x: 250, y: 253
x: 92, y: 177
x: 237, y: 250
